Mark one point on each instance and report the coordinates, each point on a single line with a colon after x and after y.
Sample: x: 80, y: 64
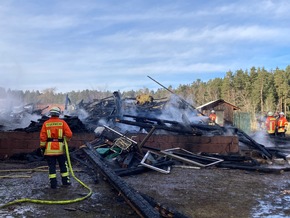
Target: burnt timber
x: 134, y: 199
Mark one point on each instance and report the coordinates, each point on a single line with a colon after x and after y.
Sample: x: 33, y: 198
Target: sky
x: 115, y: 45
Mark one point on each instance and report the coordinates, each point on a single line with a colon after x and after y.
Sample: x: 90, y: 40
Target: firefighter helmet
x: 281, y: 113
x: 270, y: 113
x: 54, y: 111
x: 213, y: 111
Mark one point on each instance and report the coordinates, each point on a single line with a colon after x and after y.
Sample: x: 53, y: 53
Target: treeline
x: 255, y: 91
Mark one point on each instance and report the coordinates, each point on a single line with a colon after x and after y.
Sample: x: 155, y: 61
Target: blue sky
x: 113, y: 45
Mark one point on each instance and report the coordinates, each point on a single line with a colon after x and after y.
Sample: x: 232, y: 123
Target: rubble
x: 19, y: 116
x: 116, y: 154
x: 145, y: 115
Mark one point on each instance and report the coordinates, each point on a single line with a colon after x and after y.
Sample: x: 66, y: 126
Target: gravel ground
x: 210, y: 192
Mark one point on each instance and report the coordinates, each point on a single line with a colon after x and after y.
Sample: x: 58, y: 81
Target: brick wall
x: 210, y: 144
x: 22, y: 142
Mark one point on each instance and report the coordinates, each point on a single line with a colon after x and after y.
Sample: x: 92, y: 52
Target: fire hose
x: 39, y: 201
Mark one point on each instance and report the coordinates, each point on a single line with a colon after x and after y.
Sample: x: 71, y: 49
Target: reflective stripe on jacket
x: 51, y: 135
x: 282, y: 124
x: 270, y: 124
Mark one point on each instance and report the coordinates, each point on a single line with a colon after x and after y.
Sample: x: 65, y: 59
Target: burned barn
x: 157, y: 124
x: 118, y: 137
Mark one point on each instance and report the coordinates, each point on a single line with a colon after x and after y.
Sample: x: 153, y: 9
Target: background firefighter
x: 212, y: 118
x: 270, y: 124
x: 282, y: 125
x: 52, y: 136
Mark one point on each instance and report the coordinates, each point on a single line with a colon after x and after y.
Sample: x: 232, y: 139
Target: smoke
x: 262, y: 138
x: 177, y: 109
x: 15, y: 114
x: 171, y: 111
x: 82, y: 114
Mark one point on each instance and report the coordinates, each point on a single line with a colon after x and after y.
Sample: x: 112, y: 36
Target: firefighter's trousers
x: 51, y: 161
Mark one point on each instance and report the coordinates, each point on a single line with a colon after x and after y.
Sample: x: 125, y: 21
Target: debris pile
x: 114, y: 121
x: 19, y: 116
x: 118, y: 117
x: 74, y: 122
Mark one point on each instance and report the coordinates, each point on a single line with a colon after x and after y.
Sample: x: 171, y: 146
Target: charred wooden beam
x: 133, y: 198
x: 146, y: 139
x: 162, y: 127
x: 185, y: 103
x: 150, y: 148
x: 246, y: 139
x: 212, y: 128
x: 152, y: 120
x: 253, y: 144
x: 278, y: 152
x: 118, y: 103
x: 163, y: 210
x: 39, y: 111
x: 185, y: 125
x: 281, y: 142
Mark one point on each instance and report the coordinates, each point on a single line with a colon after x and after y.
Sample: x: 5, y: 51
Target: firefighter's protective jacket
x: 282, y: 124
x: 270, y: 124
x: 212, y: 117
x: 52, y: 136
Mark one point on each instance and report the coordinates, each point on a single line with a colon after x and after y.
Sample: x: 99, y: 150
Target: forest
x: 254, y: 91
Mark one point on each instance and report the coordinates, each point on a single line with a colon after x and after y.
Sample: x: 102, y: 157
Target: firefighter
x: 212, y: 118
x: 52, y: 136
x: 270, y: 124
x: 282, y: 125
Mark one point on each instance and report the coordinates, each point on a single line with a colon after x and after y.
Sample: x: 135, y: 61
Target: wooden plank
x: 133, y: 198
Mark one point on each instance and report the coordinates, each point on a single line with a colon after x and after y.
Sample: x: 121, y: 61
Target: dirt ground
x: 201, y: 193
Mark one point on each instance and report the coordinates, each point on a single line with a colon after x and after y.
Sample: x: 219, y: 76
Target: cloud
x: 113, y: 44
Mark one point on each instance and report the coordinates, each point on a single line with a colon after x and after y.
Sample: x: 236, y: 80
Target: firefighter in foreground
x: 270, y: 124
x: 282, y: 125
x: 52, y: 136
